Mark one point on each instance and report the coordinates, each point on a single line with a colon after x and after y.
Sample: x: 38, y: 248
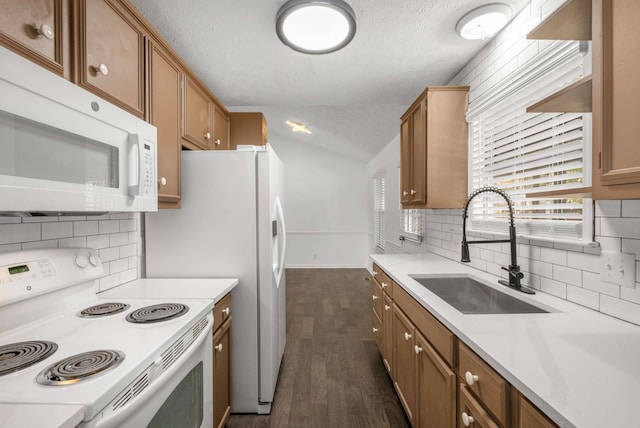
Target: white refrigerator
x: 231, y: 224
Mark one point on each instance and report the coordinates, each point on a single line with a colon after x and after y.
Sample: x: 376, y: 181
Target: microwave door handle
x: 135, y: 167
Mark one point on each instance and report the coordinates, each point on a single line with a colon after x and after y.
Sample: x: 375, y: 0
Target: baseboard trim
x: 326, y: 266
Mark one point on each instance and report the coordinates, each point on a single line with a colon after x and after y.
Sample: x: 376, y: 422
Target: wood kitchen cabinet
x: 526, y: 415
x: 248, y: 128
x: 222, y: 361
x: 433, y: 149
x: 436, y: 388
x: 220, y: 128
x: 196, y: 130
x: 616, y: 99
x: 110, y: 53
x: 164, y: 109
x: 404, y: 361
x: 439, y: 380
x: 382, y: 288
x: 39, y: 31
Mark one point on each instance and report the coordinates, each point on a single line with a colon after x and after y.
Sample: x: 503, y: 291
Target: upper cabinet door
x: 196, y: 130
x: 37, y: 30
x: 220, y: 129
x: 165, y: 77
x: 616, y: 98
x: 111, y: 54
x: 405, y: 161
x: 418, y: 192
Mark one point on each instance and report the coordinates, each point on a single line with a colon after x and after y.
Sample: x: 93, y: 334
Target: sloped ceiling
x: 352, y: 99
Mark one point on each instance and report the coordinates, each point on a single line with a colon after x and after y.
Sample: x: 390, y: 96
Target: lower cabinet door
x: 436, y: 388
x: 387, y: 333
x: 404, y: 360
x: 222, y: 375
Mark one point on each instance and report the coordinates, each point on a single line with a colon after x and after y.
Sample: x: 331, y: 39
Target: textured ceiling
x: 351, y: 99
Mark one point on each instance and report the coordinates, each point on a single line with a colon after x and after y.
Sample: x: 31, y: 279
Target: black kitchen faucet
x: 514, y: 270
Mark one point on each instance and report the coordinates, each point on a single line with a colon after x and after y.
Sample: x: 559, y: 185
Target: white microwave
x: 65, y: 150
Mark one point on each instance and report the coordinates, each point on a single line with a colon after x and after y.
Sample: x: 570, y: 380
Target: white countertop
x: 580, y: 367
x: 169, y: 288
x: 40, y: 415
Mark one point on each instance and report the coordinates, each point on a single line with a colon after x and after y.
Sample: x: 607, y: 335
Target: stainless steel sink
x: 472, y: 297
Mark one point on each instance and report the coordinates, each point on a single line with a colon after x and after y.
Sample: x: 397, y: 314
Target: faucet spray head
x: 465, y: 258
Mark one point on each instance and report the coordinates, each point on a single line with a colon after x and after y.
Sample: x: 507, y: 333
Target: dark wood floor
x: 332, y: 374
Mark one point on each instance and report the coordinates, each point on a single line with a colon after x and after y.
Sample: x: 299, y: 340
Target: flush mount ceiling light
x: 484, y: 21
x: 316, y: 26
x: 298, y: 127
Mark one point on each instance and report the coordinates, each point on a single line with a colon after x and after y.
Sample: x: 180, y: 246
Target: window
x: 411, y: 224
x: 527, y: 154
x: 378, y: 211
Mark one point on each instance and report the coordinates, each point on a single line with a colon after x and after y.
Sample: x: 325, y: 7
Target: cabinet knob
x: 45, y: 31
x: 219, y: 347
x: 226, y: 311
x: 163, y: 181
x: 470, y: 378
x: 216, y: 141
x: 405, y: 193
x: 407, y: 336
x: 384, y: 285
x: 207, y: 135
x: 374, y: 297
x: 375, y: 330
x: 417, y: 349
x: 413, y: 192
x: 387, y: 308
x: 102, y: 69
x: 375, y: 273
x: 467, y: 419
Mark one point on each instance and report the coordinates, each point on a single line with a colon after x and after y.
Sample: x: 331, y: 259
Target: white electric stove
x: 127, y: 362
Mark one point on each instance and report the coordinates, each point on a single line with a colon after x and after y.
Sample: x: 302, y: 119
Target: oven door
x: 181, y: 397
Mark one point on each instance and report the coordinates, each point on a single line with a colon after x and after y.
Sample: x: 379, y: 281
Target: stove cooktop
x: 80, y: 344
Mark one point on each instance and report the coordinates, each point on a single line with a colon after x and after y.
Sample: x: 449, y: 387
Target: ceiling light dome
x: 484, y: 21
x: 316, y: 26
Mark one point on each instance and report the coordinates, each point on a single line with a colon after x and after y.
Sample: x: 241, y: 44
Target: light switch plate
x: 618, y: 268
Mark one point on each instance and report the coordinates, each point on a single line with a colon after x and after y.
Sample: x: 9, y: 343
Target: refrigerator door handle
x: 281, y: 248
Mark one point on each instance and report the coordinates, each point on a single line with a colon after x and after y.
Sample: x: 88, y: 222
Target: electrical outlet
x: 618, y: 268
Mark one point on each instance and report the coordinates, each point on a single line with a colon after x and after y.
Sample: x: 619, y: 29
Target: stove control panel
x: 26, y: 274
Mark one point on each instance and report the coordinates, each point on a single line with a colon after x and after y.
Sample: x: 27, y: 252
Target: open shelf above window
x: 575, y: 98
x: 571, y: 21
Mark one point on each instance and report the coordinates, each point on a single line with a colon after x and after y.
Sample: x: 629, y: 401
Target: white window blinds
x: 378, y: 211
x: 529, y: 153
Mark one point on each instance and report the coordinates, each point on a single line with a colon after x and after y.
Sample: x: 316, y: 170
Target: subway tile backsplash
x: 116, y: 236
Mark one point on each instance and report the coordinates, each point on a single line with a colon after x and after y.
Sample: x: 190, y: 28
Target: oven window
x: 184, y: 407
x: 35, y: 150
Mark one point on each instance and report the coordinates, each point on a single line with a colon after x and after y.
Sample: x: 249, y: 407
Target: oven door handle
x: 110, y: 419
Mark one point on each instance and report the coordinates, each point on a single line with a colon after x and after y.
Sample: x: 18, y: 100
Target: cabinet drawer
x: 490, y: 388
x: 221, y: 311
x: 438, y: 335
x: 383, y: 280
x: 378, y: 299
x: 471, y: 413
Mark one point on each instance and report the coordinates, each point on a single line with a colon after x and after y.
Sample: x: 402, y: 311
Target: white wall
x: 325, y: 206
x: 570, y: 272
x: 117, y: 237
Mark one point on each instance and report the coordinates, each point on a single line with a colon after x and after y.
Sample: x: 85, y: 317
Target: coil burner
x: 157, y: 313
x: 80, y: 367
x: 20, y: 355
x: 103, y: 310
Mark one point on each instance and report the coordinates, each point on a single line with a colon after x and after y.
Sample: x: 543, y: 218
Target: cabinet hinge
x: 599, y: 160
